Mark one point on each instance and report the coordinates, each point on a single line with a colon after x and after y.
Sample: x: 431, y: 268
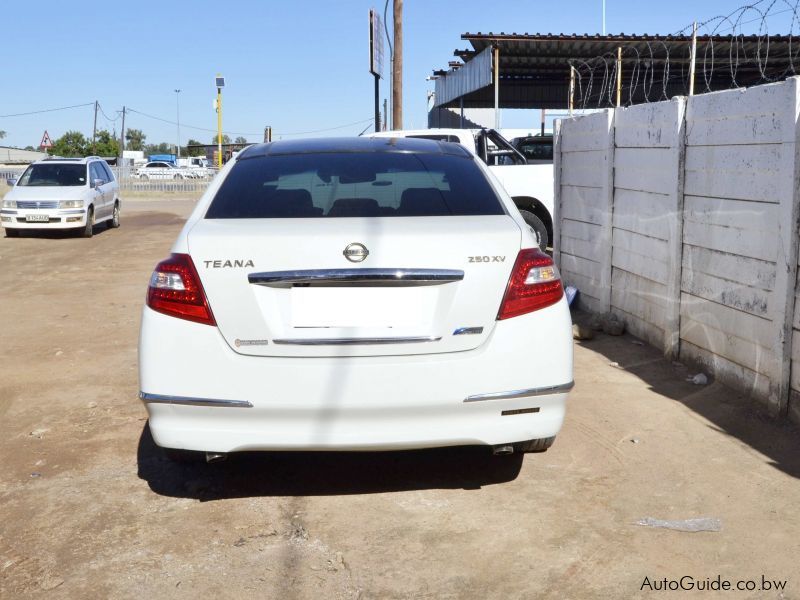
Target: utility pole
x: 178, y: 107
x: 397, y: 67
x: 385, y: 116
x: 94, y: 128
x: 122, y: 138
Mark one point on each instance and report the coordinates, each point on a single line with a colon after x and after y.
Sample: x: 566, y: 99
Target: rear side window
x: 359, y: 184
x: 436, y: 137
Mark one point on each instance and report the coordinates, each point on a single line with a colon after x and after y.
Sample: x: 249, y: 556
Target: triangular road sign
x: 46, y: 141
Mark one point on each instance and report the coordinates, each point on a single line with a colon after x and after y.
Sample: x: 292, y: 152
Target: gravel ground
x: 90, y: 509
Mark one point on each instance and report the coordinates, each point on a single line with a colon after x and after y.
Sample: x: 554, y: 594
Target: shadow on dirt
x: 252, y: 474
x: 729, y: 412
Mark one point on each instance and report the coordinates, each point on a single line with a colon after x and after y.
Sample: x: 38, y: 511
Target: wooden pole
x: 497, y: 87
x: 619, y: 76
x: 571, y: 90
x: 94, y: 128
x: 397, y: 67
x: 693, y: 60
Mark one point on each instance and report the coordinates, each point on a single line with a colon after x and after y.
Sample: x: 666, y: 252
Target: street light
x: 220, y: 82
x: 178, y: 108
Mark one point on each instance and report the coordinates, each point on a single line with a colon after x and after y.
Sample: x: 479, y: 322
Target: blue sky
x: 298, y: 66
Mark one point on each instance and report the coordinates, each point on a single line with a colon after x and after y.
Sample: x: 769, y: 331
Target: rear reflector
x: 534, y: 283
x: 175, y: 290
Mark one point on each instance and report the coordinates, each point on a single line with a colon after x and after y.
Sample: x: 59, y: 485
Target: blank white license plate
x: 37, y: 218
x: 363, y: 307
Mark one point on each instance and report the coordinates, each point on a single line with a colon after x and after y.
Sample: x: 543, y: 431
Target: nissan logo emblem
x: 356, y: 252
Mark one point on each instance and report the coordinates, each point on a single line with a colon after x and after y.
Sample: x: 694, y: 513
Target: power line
x: 138, y: 112
x: 251, y: 134
x: 329, y: 128
x: 36, y: 112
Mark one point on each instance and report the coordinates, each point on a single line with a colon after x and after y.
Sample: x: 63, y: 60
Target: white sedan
x: 355, y: 294
x: 164, y: 170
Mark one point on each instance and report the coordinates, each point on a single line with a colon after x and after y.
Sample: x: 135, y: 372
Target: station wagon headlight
x: 9, y: 204
x: 70, y: 204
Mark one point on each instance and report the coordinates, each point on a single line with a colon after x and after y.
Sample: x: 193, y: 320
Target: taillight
x: 175, y: 290
x: 534, y: 283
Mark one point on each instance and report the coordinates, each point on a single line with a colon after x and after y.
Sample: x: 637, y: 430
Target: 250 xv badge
x: 476, y: 259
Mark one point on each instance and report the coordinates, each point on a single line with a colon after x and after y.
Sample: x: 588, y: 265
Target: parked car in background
x: 537, y: 149
x: 164, y: 170
x: 355, y: 294
x: 62, y: 193
x: 530, y: 185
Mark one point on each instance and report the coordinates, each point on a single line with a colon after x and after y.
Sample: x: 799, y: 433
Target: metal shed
x: 533, y: 70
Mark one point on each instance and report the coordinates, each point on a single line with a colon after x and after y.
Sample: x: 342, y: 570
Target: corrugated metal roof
x: 535, y: 68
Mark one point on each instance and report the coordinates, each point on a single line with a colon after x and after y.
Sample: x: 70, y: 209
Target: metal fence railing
x: 129, y: 182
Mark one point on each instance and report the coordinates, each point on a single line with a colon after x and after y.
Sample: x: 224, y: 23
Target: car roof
x: 339, y: 145
x: 77, y: 161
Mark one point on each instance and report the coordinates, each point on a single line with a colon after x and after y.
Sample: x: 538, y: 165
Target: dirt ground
x: 90, y: 509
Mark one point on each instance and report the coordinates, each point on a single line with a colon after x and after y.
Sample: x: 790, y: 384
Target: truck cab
x: 529, y: 185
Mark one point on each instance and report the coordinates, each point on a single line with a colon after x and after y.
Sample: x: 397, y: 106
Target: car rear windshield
x: 66, y: 175
x: 358, y: 184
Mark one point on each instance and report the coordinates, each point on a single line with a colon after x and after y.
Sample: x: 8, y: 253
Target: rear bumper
x: 354, y: 403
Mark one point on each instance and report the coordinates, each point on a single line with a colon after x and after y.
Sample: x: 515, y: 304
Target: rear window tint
x: 375, y: 184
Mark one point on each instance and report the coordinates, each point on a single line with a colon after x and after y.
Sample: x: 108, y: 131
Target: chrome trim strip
x: 353, y: 341
x: 399, y: 277
x: 542, y: 391
x: 161, y: 399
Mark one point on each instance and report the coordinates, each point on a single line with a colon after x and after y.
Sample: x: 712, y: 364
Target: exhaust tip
x: 503, y: 450
x: 214, y: 457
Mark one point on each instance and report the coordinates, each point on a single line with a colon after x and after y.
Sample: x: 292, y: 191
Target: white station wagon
x: 355, y: 294
x: 62, y: 193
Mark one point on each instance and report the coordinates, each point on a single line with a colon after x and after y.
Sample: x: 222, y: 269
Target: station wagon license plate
x: 37, y: 218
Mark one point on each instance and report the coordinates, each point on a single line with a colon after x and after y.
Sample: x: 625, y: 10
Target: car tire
x: 145, y: 177
x: 178, y: 176
x: 88, y: 230
x: 182, y: 456
x: 12, y: 233
x: 113, y: 222
x: 537, y: 227
x: 540, y: 445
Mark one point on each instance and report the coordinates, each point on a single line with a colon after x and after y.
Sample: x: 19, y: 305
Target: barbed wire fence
x: 726, y: 51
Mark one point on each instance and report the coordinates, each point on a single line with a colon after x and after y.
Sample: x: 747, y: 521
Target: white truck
x: 530, y: 185
x: 198, y: 165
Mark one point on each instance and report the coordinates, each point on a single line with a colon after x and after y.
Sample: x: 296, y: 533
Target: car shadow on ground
x: 60, y: 234
x: 255, y: 474
x: 729, y: 411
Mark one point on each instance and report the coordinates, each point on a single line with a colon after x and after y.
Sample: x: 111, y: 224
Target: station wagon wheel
x: 540, y: 445
x: 114, y: 222
x: 537, y: 227
x: 88, y: 230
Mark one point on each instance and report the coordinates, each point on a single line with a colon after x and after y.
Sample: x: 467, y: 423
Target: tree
x: 162, y: 148
x: 226, y: 139
x: 2, y: 134
x: 30, y: 148
x: 72, y: 143
x: 134, y: 139
x: 240, y: 140
x: 194, y: 151
x: 105, y: 144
